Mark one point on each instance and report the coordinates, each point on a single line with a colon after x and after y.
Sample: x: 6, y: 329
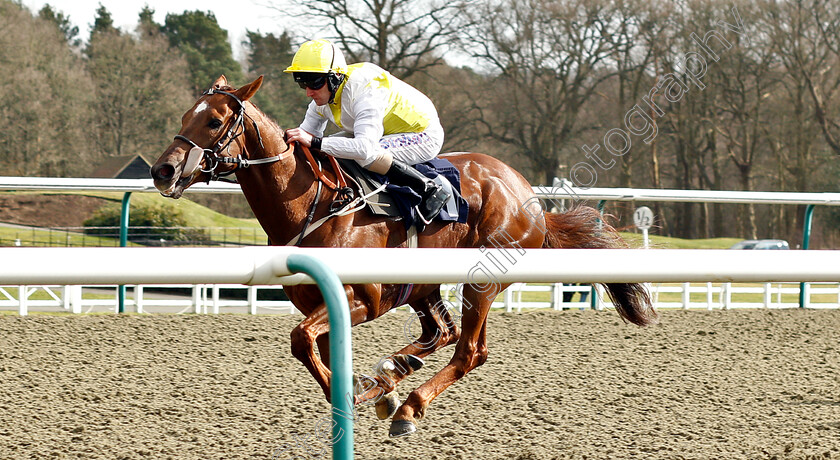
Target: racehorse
x: 225, y: 133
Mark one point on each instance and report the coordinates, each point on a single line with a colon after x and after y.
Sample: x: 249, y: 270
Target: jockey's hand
x: 299, y: 135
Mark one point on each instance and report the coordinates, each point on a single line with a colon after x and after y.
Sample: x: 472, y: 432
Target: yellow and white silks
x: 377, y: 112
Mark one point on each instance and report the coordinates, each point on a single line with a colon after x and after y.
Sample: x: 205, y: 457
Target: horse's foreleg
x: 324, y: 348
x: 304, y: 337
x: 438, y: 329
x: 314, y: 330
x: 470, y: 352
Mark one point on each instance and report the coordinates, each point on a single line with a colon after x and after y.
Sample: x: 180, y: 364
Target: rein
x: 344, y: 193
x: 341, y: 182
x: 340, y: 205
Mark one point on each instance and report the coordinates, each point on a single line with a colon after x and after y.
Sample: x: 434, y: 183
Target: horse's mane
x: 267, y: 118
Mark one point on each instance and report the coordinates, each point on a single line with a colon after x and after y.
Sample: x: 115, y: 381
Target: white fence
x: 211, y: 299
x: 86, y: 299
x: 206, y: 298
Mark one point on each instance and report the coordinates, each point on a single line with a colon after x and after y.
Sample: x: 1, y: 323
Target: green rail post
x: 341, y: 354
x: 601, y: 204
x: 123, y: 243
x: 806, y: 239
x: 593, y: 298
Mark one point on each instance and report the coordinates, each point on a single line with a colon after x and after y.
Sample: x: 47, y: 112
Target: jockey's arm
x: 364, y: 145
x: 367, y: 113
x: 313, y: 125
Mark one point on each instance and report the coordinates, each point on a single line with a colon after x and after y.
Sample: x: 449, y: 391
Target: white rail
x: 266, y: 265
x: 557, y: 192
x: 688, y: 196
x: 75, y: 184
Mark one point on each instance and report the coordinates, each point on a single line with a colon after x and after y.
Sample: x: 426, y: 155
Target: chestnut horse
x: 226, y: 133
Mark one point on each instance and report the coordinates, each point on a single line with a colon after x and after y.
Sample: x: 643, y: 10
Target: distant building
x: 124, y: 167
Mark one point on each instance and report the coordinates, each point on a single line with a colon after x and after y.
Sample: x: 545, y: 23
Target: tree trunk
x: 549, y: 169
x: 748, y: 210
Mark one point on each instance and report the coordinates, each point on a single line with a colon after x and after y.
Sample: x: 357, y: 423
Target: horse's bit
x: 212, y: 157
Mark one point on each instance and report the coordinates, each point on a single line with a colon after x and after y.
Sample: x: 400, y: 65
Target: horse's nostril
x: 163, y: 172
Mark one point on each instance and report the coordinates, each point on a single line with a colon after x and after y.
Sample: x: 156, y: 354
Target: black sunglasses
x: 314, y: 84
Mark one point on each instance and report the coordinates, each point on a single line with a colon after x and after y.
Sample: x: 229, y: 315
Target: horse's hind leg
x: 470, y: 352
x: 438, y: 329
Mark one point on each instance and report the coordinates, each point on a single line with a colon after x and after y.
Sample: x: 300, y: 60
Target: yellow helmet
x: 318, y: 56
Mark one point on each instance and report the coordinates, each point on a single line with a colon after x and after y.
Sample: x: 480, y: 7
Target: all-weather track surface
x: 752, y: 384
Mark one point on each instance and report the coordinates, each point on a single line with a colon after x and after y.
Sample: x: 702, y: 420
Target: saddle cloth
x: 400, y: 202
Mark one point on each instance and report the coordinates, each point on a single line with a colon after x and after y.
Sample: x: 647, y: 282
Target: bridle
x: 213, y: 158
x: 344, y: 201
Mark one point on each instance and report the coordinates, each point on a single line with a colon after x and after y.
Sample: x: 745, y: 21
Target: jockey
x: 387, y: 125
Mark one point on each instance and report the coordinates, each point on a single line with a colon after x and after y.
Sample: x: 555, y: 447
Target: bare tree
x: 445, y: 87
x: 45, y: 113
x: 547, y: 58
x: 824, y: 91
x: 402, y: 36
x: 745, y: 79
x: 806, y: 35
x: 640, y: 25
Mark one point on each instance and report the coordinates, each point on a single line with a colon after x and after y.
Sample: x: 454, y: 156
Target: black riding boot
x: 434, y: 196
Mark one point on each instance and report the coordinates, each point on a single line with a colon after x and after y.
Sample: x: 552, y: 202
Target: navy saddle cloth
x: 404, y: 199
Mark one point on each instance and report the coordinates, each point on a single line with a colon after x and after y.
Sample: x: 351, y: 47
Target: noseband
x: 213, y: 157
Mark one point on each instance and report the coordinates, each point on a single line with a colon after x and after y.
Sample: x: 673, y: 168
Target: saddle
x: 398, y: 202
x: 381, y: 197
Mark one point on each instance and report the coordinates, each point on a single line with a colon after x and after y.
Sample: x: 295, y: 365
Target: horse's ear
x: 220, y: 82
x: 248, y: 91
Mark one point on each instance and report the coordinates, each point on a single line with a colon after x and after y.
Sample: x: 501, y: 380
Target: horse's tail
x: 582, y: 227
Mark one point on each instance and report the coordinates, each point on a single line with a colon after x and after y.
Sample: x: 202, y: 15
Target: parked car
x: 761, y: 244
x: 746, y: 244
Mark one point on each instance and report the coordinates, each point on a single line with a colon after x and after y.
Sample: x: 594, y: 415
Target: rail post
x: 593, y: 299
x: 806, y: 239
x: 341, y: 355
x: 123, y: 243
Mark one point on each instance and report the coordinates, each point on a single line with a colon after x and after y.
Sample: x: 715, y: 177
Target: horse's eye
x: 215, y: 123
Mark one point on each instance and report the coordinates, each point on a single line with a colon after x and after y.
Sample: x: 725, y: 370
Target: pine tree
x: 205, y: 45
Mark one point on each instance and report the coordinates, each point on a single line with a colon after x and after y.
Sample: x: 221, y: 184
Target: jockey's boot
x: 434, y: 196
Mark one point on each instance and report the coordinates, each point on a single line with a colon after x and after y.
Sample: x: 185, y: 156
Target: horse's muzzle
x: 163, y: 173
x: 166, y: 178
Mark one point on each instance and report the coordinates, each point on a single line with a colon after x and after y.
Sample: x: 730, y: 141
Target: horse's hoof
x: 387, y: 405
x: 414, y: 362
x: 356, y: 386
x: 400, y: 428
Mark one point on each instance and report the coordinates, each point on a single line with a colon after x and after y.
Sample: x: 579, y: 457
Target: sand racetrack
x: 701, y: 385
